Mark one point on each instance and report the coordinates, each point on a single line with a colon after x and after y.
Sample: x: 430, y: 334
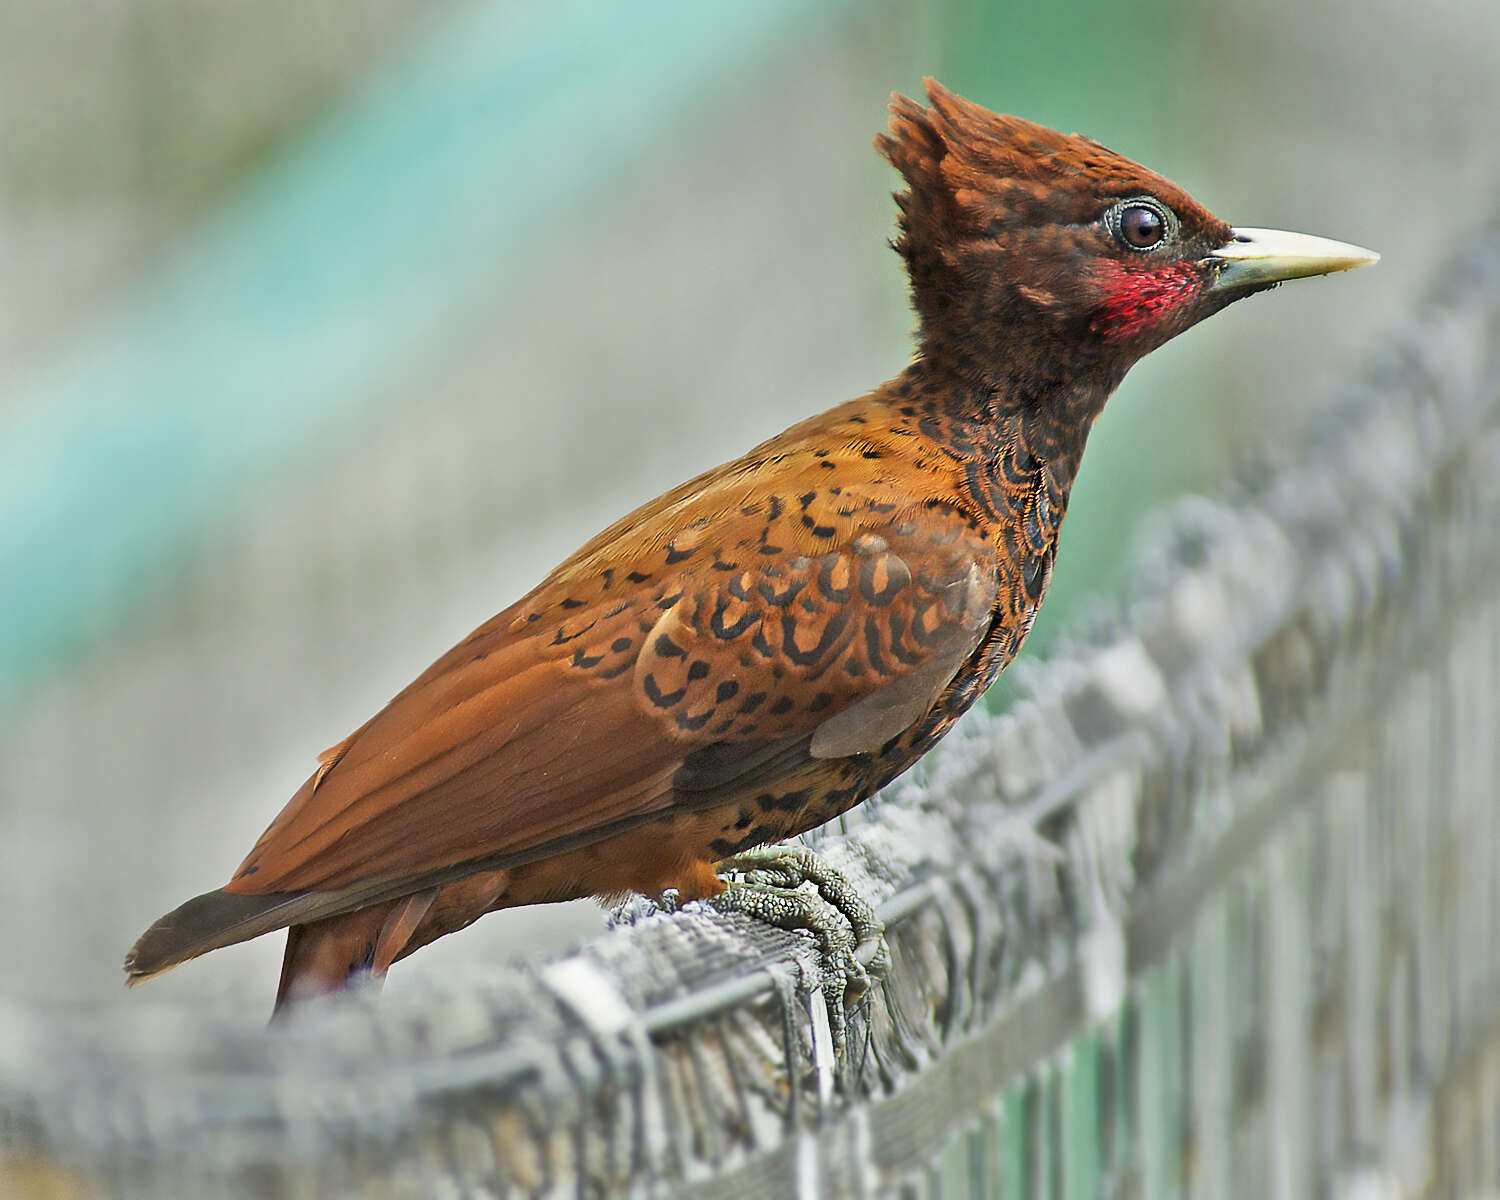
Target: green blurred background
x: 327, y: 327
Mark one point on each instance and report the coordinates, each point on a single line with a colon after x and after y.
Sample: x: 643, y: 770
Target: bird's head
x: 1037, y: 257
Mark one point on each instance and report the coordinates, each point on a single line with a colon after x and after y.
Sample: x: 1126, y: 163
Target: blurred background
x: 327, y: 327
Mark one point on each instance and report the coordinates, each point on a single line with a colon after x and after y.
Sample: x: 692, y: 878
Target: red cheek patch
x: 1135, y: 299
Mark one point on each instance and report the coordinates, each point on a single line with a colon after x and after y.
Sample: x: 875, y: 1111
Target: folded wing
x: 779, y: 622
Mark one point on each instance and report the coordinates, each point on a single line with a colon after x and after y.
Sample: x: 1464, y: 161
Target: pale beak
x: 1258, y: 257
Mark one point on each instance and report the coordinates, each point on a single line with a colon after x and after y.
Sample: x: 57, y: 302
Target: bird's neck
x: 984, y: 417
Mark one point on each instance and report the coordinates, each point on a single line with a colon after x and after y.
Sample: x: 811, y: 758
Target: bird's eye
x: 1141, y: 226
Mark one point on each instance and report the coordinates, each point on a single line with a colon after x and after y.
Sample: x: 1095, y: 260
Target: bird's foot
x: 770, y: 885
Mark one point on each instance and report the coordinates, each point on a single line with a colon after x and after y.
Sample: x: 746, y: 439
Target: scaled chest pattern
x: 1021, y: 499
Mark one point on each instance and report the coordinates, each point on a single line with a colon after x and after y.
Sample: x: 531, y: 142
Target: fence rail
x: 1211, y: 910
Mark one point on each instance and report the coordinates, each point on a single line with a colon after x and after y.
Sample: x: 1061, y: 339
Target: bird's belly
x: 678, y: 849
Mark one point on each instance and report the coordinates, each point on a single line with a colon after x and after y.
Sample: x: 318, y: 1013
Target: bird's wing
x: 752, y: 618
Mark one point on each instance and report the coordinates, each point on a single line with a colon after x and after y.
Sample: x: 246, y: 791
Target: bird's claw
x: 769, y: 885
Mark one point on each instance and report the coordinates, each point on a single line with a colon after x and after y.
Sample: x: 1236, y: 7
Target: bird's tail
x: 324, y: 956
x: 332, y: 936
x: 212, y: 920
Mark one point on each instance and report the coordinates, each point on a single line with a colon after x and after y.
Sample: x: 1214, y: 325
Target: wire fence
x: 1210, y: 910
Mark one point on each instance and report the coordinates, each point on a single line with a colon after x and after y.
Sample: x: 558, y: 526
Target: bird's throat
x: 1048, y: 415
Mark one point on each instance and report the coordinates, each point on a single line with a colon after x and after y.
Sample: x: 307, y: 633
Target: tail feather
x: 448, y: 897
x: 212, y: 920
x: 323, y: 956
